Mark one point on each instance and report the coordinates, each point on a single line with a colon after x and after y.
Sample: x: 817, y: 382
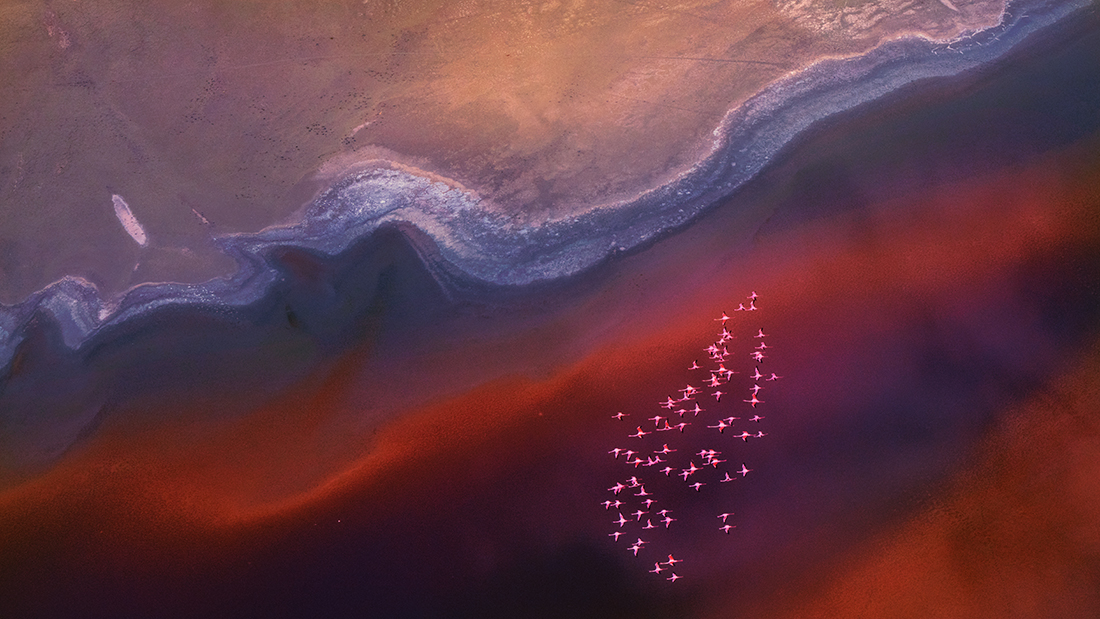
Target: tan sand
x: 228, y: 109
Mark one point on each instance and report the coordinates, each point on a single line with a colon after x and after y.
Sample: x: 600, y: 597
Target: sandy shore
x: 229, y: 111
x: 472, y: 234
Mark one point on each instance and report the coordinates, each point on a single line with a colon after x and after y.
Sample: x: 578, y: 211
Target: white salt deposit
x: 128, y: 221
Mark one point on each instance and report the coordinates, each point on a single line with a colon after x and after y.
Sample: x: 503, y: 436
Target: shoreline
x: 463, y: 239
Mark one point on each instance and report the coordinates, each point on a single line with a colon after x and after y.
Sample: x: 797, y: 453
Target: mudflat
x: 214, y: 117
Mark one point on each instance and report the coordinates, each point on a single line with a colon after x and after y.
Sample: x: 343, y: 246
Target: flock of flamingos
x: 700, y: 411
